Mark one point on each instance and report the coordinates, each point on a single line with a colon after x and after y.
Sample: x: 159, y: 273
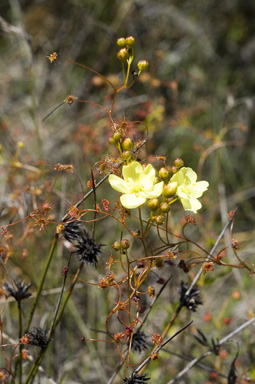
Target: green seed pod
x: 117, y: 136
x: 121, y: 42
x: 125, y: 244
x: 126, y: 155
x: 160, y: 219
x: 123, y: 55
x: 142, y: 65
x: 170, y: 189
x: 178, y: 163
x: 116, y: 246
x: 163, y: 173
x: 111, y: 140
x: 130, y: 41
x: 164, y: 207
x: 174, y: 169
x: 153, y: 204
x: 127, y: 144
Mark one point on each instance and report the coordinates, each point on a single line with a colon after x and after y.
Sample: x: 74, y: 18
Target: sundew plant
x: 131, y: 244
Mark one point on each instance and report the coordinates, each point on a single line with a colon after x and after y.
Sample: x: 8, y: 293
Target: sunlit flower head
x: 137, y: 185
x: 188, y: 189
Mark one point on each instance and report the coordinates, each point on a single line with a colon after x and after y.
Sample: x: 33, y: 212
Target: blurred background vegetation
x: 197, y: 99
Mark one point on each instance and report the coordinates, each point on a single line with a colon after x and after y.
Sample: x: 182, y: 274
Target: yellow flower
x: 137, y: 184
x: 188, y: 190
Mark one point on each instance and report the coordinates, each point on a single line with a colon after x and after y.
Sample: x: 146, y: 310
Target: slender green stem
x: 40, y: 287
x: 36, y: 365
x: 58, y: 303
x: 140, y: 219
x: 69, y: 293
x: 33, y: 370
x: 21, y: 346
x: 123, y: 71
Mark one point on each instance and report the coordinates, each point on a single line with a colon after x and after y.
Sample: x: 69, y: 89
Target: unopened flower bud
x: 123, y: 55
x: 174, y: 169
x: 116, y: 245
x: 125, y: 244
x: 170, y: 189
x: 153, y: 204
x: 142, y: 65
x: 127, y: 144
x: 178, y: 163
x: 126, y: 155
x: 160, y: 219
x: 117, y: 136
x: 111, y: 140
x: 164, y: 207
x: 121, y: 42
x: 130, y: 41
x: 163, y: 173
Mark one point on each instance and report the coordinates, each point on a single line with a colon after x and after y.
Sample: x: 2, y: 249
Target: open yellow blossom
x: 137, y: 185
x: 188, y: 190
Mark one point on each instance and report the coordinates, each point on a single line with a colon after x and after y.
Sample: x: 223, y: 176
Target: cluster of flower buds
x: 123, y: 244
x: 169, y: 191
x: 126, y: 54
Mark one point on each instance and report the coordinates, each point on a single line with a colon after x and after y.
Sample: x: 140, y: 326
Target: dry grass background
x: 198, y: 101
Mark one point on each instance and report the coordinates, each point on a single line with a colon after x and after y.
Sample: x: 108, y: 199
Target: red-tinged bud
x: 178, y: 163
x: 164, y: 207
x: 126, y: 155
x: 174, y: 169
x: 116, y: 246
x: 160, y: 219
x: 111, y: 140
x: 163, y: 173
x: 142, y: 65
x: 123, y: 55
x: 130, y: 41
x: 121, y: 42
x: 153, y: 204
x: 125, y: 244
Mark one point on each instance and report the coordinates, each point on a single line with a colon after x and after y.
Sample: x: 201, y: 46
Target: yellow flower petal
x: 188, y: 190
x: 119, y: 184
x: 137, y: 185
x: 132, y: 200
x: 147, y: 177
x: 132, y: 171
x: 191, y: 205
x: 156, y: 192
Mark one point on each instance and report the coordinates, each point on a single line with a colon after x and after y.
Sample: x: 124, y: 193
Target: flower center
x: 136, y: 186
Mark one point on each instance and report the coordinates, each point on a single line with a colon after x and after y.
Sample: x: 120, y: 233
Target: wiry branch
x: 209, y: 352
